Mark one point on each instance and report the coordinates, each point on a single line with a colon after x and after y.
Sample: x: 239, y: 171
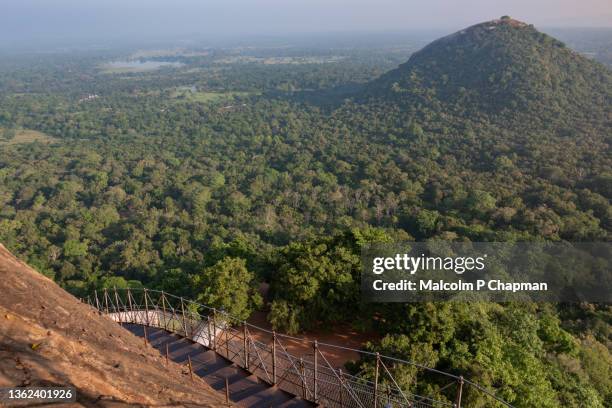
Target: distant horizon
x: 198, y: 40
x: 29, y: 23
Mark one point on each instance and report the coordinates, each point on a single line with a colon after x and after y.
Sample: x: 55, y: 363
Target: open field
x: 244, y: 59
x: 135, y: 66
x: 22, y: 136
x: 174, y: 52
x: 190, y: 95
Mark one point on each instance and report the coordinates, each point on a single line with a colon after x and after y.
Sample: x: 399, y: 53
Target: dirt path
x: 342, y: 335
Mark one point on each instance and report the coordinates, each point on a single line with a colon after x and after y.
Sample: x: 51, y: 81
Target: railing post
x: 117, y: 305
x: 190, y: 367
x: 227, y: 392
x: 208, y: 324
x: 131, y: 306
x: 245, y: 345
x: 146, y: 307
x: 97, y: 300
x: 183, y: 317
x: 459, y: 392
x: 303, y: 375
x: 376, y: 373
x: 341, y: 388
x: 106, y: 300
x: 164, y: 310
x: 226, y: 341
x: 315, y: 348
x: 214, y: 325
x: 273, y: 358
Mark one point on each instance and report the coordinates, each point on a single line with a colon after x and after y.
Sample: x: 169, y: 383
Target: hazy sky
x: 34, y: 20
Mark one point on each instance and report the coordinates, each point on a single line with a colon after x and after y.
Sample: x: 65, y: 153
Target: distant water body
x: 139, y: 65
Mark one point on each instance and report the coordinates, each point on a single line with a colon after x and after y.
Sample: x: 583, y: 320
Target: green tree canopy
x: 230, y: 286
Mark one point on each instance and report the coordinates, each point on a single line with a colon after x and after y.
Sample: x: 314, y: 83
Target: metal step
x: 245, y: 389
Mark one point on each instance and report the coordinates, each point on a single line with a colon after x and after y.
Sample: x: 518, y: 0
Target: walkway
x: 245, y: 389
x: 260, y: 371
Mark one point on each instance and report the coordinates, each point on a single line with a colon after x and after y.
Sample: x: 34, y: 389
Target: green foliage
x: 111, y: 282
x: 317, y: 282
x: 228, y: 285
x: 286, y: 315
x: 74, y: 248
x: 510, y: 345
x: 426, y: 222
x: 491, y: 134
x: 504, y: 68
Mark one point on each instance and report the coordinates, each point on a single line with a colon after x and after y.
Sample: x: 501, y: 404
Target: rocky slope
x: 49, y: 338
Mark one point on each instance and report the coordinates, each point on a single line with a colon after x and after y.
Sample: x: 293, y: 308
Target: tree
x: 119, y: 282
x: 230, y: 286
x: 317, y: 282
x: 74, y: 248
x: 480, y: 202
x: 426, y: 222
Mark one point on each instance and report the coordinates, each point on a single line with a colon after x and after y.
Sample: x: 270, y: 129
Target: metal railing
x: 265, y: 354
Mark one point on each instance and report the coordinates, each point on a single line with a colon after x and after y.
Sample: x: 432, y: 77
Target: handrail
x: 315, y: 379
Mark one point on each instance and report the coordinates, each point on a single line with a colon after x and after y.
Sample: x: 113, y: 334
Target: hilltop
x: 49, y: 338
x: 502, y: 66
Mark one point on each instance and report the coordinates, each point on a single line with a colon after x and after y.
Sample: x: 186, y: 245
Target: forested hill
x: 500, y: 67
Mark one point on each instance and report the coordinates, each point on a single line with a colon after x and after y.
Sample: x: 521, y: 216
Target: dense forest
x: 247, y: 166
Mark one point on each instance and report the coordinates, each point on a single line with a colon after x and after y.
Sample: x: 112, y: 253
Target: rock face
x: 50, y: 338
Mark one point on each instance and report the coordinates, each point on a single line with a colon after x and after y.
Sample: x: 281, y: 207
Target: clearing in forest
x: 20, y: 136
